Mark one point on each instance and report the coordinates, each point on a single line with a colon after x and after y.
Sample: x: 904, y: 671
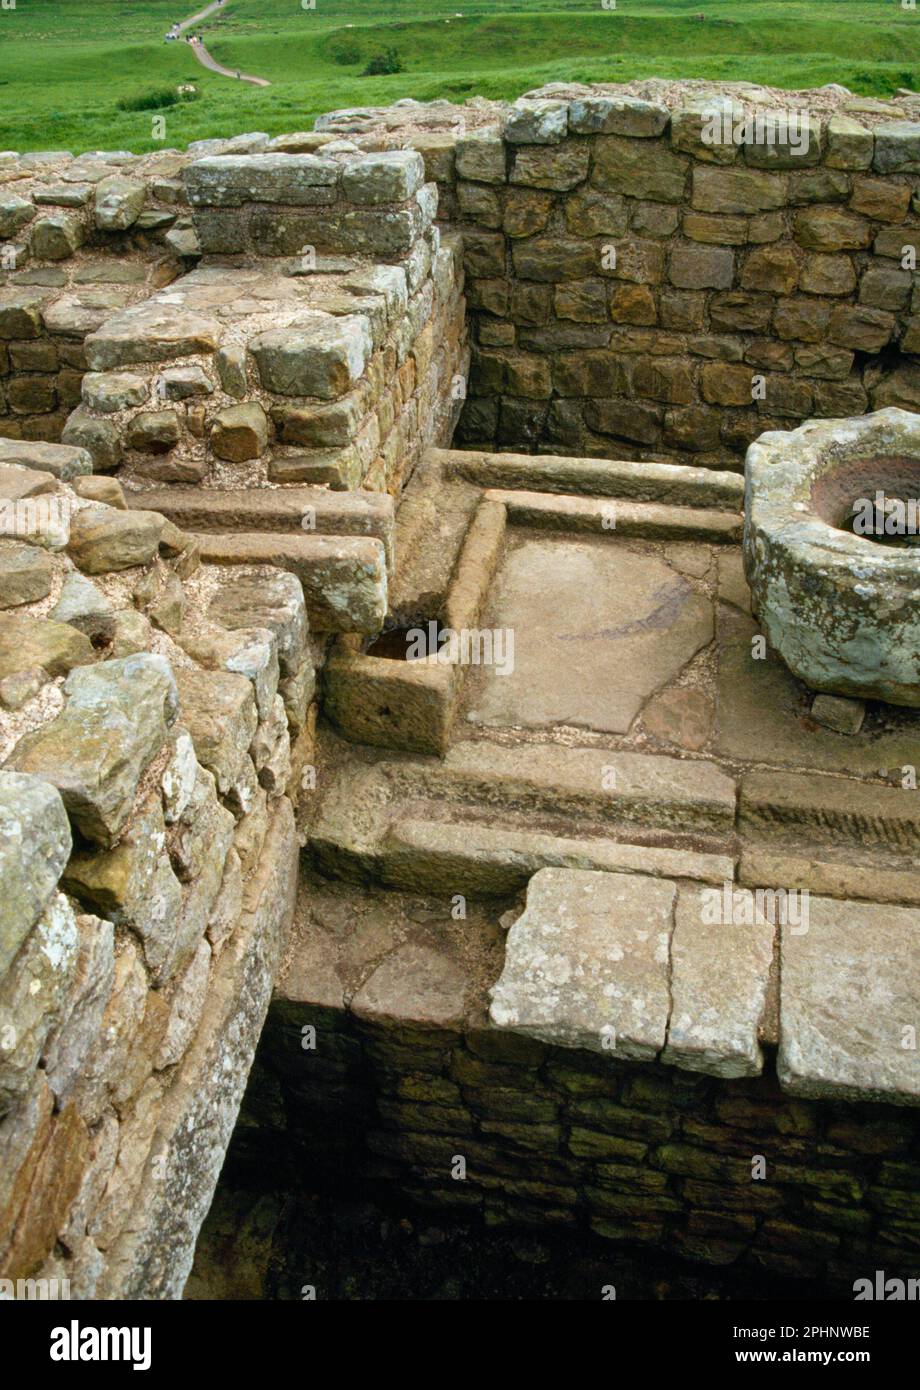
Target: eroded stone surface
x: 596, y: 629
x: 849, y: 1003
x: 587, y: 963
x: 35, y: 844
x: 719, y: 976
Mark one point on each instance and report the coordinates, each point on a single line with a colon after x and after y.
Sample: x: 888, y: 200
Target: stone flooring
x: 597, y: 629
x: 654, y: 779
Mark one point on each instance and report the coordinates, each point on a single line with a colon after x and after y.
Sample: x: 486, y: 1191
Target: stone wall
x: 320, y: 340
x: 153, y: 727
x: 246, y: 348
x: 637, y: 292
x: 637, y: 1153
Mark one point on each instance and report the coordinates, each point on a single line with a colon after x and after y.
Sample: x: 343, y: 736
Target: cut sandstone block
x: 231, y: 180
x: 849, y: 1003
x: 344, y: 578
x: 586, y: 965
x: 317, y: 356
x: 62, y: 461
x: 719, y: 977
x: 392, y: 176
x: 219, y: 711
x: 296, y: 509
x: 116, y: 720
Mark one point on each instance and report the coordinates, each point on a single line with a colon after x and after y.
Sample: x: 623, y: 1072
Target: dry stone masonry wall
x: 151, y: 729
x: 637, y: 289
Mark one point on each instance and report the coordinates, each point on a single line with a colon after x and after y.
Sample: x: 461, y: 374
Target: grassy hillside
x: 68, y: 67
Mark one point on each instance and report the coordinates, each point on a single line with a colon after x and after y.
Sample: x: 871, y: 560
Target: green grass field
x: 65, y: 65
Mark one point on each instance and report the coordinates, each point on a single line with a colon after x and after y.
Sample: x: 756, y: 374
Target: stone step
x: 675, y: 485
x: 676, y: 794
x: 823, y: 809
x: 492, y: 814
x: 344, y: 578
x: 358, y: 513
x: 841, y: 872
x: 426, y: 855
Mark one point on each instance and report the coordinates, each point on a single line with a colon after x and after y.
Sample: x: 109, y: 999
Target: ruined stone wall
x: 153, y: 727
x: 319, y: 340
x: 635, y: 1152
x: 638, y: 292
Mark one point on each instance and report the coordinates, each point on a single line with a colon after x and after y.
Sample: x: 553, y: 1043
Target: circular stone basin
x: 831, y: 552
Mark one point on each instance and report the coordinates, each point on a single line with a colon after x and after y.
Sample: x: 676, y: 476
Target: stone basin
x: 840, y: 608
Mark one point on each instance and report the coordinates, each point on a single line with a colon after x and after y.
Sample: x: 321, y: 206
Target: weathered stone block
x: 240, y: 432
x: 26, y: 642
x: 109, y: 392
x: 640, y: 169
x: 526, y: 212
x: 56, y: 237
x: 232, y: 180
x: 824, y: 274
x: 119, y: 202
x: 897, y: 147
x: 771, y: 268
x: 818, y: 186
x: 735, y: 192
x: 153, y: 431
x: 631, y: 304
x: 559, y: 167
x: 25, y: 574
x: 151, y: 332
x: 554, y: 258
x: 480, y: 204
x: 104, y: 539
x: 831, y: 229
x: 536, y: 122
x: 847, y: 1043
x: 318, y: 356
x: 700, y: 267
x: 83, y: 606
x: 35, y: 844
x: 33, y: 995
x: 882, y: 199
x: 718, y: 231
x: 582, y: 927
x: 776, y: 147
x: 392, y: 176
x: 884, y: 287
x: 663, y: 380
x: 849, y: 144
x: 589, y: 213
x: 15, y: 213
x: 219, y: 711
x: 864, y: 330
x: 482, y: 157
x: 806, y: 319
x: 95, y: 752
x: 722, y: 383
x: 21, y: 313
